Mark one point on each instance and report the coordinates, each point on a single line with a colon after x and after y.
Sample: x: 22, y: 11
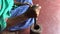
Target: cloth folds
x: 6, y: 11
x: 5, y: 7
x: 19, y: 10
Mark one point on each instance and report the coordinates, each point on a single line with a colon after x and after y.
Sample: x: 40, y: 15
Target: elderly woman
x: 20, y: 16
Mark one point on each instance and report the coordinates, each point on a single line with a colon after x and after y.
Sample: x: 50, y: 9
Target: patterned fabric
x: 19, y: 10
x: 5, y: 7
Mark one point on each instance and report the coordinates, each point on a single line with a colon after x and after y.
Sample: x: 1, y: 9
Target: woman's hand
x: 33, y: 11
x: 21, y: 18
x: 37, y: 10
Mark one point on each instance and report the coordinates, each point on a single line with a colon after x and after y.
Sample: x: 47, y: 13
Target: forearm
x: 30, y: 13
x: 16, y: 20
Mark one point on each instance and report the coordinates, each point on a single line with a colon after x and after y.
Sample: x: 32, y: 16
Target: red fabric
x: 49, y: 17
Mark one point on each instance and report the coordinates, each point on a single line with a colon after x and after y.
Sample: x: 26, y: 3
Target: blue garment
x: 19, y: 11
